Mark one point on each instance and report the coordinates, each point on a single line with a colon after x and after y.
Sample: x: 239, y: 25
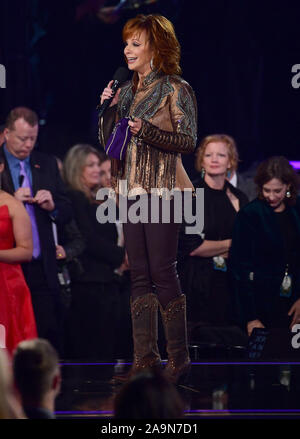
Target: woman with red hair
x: 162, y: 107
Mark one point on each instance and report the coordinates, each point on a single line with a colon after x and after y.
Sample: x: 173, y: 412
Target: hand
x: 126, y: 260
x: 60, y: 252
x: 228, y: 244
x: 135, y: 125
x: 44, y: 199
x: 224, y: 255
x: 23, y: 194
x: 295, y: 309
x: 253, y: 324
x: 107, y: 94
x: 228, y: 241
x: 124, y: 266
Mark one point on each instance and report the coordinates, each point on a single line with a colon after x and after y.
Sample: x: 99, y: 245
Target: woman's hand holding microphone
x: 108, y: 93
x: 134, y: 123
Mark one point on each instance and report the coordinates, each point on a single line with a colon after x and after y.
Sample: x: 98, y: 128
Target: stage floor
x: 215, y: 389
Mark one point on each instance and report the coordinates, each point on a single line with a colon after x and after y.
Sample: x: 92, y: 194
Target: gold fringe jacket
x: 167, y: 106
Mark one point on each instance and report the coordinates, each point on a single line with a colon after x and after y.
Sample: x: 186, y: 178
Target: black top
x: 208, y: 295
x: 102, y: 254
x: 290, y: 236
x: 219, y: 213
x: 219, y: 217
x: 262, y: 243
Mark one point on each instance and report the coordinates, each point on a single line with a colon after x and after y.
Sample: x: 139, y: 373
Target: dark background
x: 237, y: 56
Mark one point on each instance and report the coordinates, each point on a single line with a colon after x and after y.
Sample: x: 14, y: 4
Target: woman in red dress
x: 16, y: 313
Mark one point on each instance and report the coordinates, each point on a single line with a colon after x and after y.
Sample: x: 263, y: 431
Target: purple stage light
x: 295, y: 164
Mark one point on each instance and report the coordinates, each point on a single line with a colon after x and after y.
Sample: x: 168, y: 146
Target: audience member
x: 69, y: 244
x: 202, y: 260
x: 37, y: 377
x: 105, y: 170
x: 124, y: 342
x: 16, y: 314
x: 10, y: 407
x: 148, y: 395
x: 95, y: 296
x: 33, y: 178
x: 265, y: 253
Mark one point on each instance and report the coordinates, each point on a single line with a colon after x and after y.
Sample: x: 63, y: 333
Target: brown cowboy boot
x: 145, y: 333
x: 174, y: 321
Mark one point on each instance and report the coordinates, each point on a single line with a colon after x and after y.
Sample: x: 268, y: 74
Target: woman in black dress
x: 95, y: 302
x: 203, y: 259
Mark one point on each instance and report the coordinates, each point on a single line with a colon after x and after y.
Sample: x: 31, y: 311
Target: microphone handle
x: 107, y: 102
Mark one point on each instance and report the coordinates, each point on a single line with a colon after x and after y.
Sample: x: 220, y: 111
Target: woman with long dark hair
x: 265, y: 252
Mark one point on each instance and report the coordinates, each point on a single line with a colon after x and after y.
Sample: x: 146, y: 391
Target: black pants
x: 152, y: 251
x: 46, y: 304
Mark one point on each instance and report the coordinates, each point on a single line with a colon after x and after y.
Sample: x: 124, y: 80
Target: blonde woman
x: 203, y: 263
x: 95, y: 305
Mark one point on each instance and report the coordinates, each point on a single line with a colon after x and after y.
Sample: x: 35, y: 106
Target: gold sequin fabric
x: 167, y: 106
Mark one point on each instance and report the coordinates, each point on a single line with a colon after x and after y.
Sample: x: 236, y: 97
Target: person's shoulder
x: 14, y: 205
x: 254, y: 207
x: 76, y: 195
x: 297, y: 204
x: 178, y: 82
x: 198, y: 182
x: 184, y: 94
x: 238, y: 193
x: 5, y: 197
x: 298, y: 201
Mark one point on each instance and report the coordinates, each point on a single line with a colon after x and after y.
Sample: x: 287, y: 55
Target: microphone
x: 119, y: 77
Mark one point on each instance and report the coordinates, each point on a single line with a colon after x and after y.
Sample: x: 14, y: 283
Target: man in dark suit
x: 33, y: 178
x: 37, y: 377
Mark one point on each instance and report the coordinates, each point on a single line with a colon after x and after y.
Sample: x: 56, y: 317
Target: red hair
x: 162, y: 39
x: 222, y: 138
